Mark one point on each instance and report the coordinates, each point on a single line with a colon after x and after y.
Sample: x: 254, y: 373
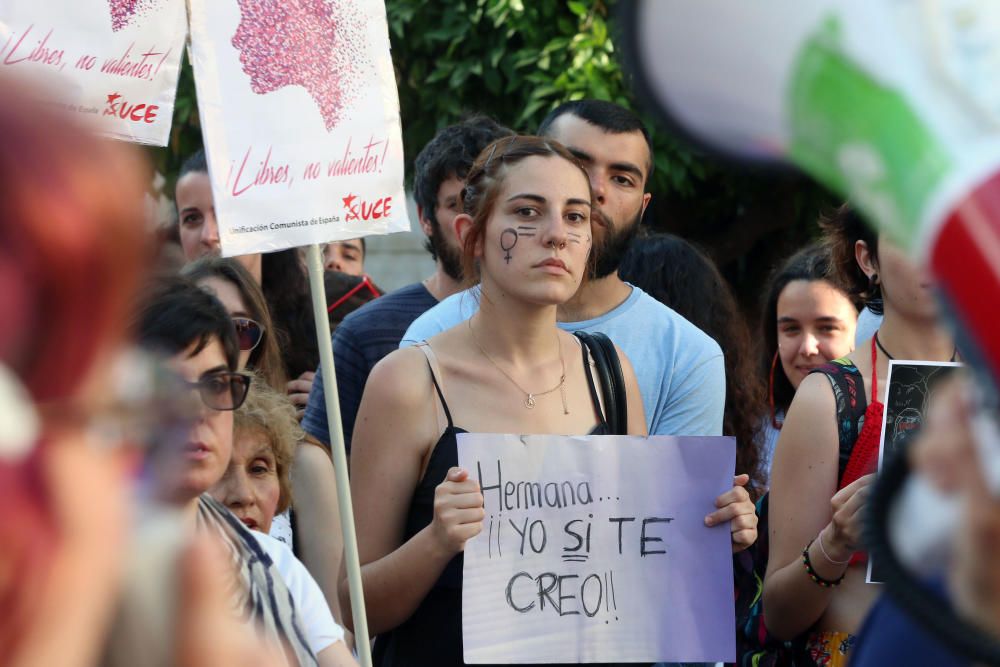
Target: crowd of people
x: 185, y: 509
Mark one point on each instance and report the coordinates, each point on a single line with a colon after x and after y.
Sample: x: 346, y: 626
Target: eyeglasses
x: 223, y: 390
x: 366, y: 282
x: 249, y: 333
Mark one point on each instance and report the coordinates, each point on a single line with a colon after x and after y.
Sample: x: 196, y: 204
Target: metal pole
x: 318, y: 290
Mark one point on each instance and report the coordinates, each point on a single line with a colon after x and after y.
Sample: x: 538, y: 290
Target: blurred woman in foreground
x: 71, y: 252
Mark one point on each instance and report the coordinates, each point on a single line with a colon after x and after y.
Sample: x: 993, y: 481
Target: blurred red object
x: 71, y: 254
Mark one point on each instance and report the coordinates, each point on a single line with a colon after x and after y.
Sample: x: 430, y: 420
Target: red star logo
x: 348, y: 200
x: 112, y: 108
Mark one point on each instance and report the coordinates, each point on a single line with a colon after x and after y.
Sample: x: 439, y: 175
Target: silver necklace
x: 529, y: 397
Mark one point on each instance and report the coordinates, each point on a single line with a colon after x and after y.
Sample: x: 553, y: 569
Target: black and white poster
x: 911, y: 385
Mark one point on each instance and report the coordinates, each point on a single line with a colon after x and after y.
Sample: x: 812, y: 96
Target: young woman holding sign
x: 815, y: 586
x: 526, y: 232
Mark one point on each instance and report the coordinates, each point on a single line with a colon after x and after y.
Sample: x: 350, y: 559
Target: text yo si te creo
x: 573, y: 535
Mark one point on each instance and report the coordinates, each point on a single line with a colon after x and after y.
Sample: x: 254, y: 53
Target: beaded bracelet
x: 825, y: 583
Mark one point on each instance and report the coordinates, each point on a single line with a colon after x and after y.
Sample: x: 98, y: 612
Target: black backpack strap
x: 609, y: 372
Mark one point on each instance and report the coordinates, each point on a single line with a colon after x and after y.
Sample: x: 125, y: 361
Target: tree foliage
x: 516, y: 60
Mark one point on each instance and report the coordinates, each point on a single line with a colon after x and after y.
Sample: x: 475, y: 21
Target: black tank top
x: 432, y: 636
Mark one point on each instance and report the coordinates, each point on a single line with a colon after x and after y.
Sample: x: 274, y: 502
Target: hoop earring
x: 770, y: 395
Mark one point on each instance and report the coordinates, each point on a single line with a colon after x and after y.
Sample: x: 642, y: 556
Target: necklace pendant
x: 529, y: 402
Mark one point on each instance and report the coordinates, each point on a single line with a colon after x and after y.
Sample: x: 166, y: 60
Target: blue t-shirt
x: 360, y: 342
x: 680, y: 369
x: 890, y: 637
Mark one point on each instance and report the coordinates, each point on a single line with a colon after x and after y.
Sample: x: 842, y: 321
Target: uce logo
x: 117, y: 106
x: 362, y: 210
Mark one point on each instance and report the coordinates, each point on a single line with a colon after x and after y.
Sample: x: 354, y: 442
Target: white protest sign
x: 301, y: 119
x: 116, y: 61
x: 594, y: 549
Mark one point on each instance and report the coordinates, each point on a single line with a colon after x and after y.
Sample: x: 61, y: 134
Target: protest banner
x: 300, y: 114
x: 594, y: 549
x: 909, y: 387
x: 115, y: 61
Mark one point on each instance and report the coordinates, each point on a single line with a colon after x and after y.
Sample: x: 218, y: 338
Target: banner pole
x: 318, y: 290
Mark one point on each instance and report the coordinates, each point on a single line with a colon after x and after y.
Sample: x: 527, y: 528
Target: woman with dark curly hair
x: 682, y: 277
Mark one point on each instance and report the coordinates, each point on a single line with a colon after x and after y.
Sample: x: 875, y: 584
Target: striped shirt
x: 257, y: 590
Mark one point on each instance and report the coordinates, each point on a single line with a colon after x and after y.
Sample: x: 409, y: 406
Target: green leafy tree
x: 516, y: 60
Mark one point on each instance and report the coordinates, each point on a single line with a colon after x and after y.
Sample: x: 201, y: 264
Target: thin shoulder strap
x: 432, y: 364
x: 590, y: 382
x: 874, y: 371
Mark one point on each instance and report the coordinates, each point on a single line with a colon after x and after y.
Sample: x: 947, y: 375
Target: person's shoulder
x: 444, y: 315
x: 815, y: 393
x: 292, y: 570
x: 400, y: 377
x: 281, y: 554
x: 409, y: 299
x: 836, y: 369
x: 667, y: 322
x: 458, y: 302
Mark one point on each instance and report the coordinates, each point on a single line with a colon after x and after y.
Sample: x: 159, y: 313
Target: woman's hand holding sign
x: 736, y: 507
x: 458, y: 511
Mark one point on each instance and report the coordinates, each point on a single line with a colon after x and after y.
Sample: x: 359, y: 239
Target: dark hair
x: 450, y: 153
x: 175, y: 313
x: 810, y: 264
x: 682, y: 277
x: 286, y: 289
x: 195, y: 162
x: 842, y: 229
x: 266, y: 357
x: 610, y: 117
x: 340, y: 284
x: 486, y: 178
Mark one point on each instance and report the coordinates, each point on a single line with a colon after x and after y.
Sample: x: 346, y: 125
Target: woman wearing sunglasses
x: 233, y: 285
x: 316, y: 539
x: 192, y: 328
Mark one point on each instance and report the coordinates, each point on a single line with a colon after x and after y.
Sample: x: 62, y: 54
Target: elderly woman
x: 257, y: 484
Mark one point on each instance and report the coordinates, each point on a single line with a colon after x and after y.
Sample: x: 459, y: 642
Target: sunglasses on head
x: 222, y: 390
x: 249, y: 333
